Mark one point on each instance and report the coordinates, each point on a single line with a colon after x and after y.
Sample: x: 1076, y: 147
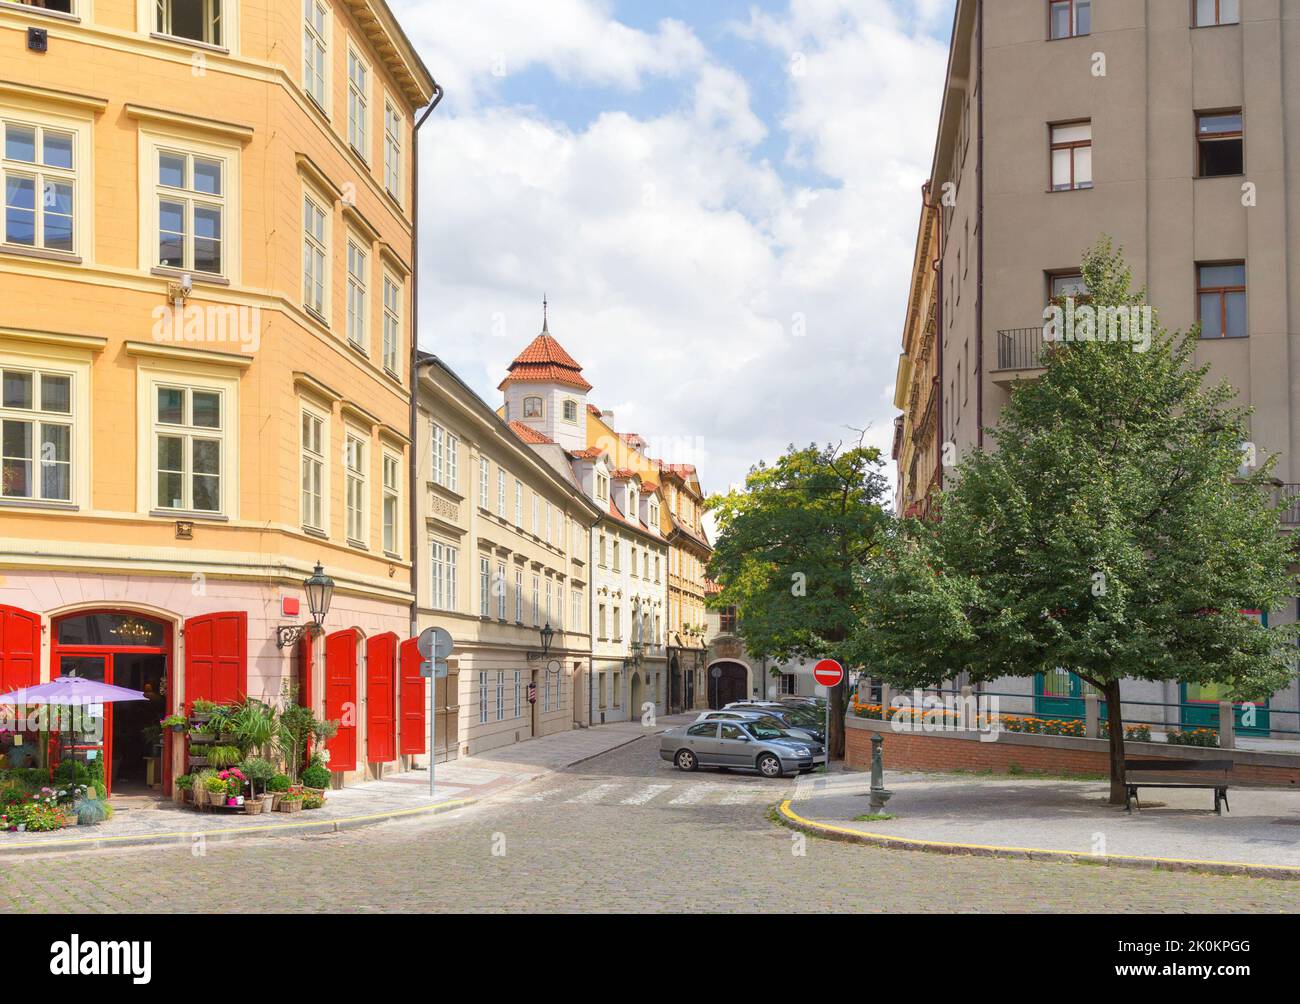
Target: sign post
x: 434, y: 646
x: 829, y: 674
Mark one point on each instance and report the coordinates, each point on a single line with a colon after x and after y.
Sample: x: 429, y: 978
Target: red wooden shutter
x: 381, y: 684
x: 341, y: 697
x: 20, y: 649
x: 415, y: 726
x: 216, y: 658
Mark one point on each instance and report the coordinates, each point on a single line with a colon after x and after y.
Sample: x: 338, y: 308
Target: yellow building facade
x: 205, y: 305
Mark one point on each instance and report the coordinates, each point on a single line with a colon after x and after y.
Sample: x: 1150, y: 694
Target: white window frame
x: 392, y: 337
x: 316, y: 253
x: 38, y: 418
x: 537, y: 601
x: 394, y: 133
x: 444, y: 559
x: 220, y: 23
x: 501, y: 492
x: 316, y: 50
x: 41, y: 176
x: 484, y: 586
x: 484, y: 481
x: 501, y: 695
x: 359, y: 103
x: 356, y: 477
x: 519, y: 694
x: 225, y: 437
x: 391, y: 488
x: 537, y: 516
x: 519, y: 595
x: 358, y: 298
x: 191, y: 200
x: 501, y: 590
x: 482, y: 697
x: 317, y: 458
x: 519, y: 504
x: 575, y: 596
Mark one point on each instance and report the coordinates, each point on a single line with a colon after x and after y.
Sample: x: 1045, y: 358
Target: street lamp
x: 320, y: 593
x: 547, y: 634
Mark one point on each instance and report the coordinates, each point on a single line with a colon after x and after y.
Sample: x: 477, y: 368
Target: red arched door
x: 381, y: 693
x: 20, y: 649
x: 341, y: 697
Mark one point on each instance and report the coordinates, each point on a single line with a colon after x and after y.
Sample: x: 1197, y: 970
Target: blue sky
x: 719, y: 198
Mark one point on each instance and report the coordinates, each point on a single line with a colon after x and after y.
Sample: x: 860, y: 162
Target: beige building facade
x: 1169, y: 127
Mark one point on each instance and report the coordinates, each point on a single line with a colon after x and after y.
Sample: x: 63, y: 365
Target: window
x: 603, y: 549
x: 602, y: 488
x: 357, y: 284
x: 356, y: 485
x: 484, y: 587
x: 537, y: 517
x: 1220, y: 144
x: 1207, y: 13
x: 532, y: 407
x: 392, y: 485
x: 39, y: 160
x: 575, y: 621
x: 65, y: 6
x: 537, y: 598
x: 314, y: 49
x: 519, y: 596
x: 1067, y: 284
x: 546, y: 692
x: 500, y: 587
x: 190, y: 194
x: 654, y: 514
x: 727, y: 620
x: 314, y: 256
x: 197, y: 20
x: 392, y: 150
x: 633, y: 566
x: 705, y: 730
x: 645, y: 564
x: 392, y: 323
x: 358, y: 103
x: 188, y: 434
x: 604, y: 632
x: 657, y: 567
x: 446, y: 448
x: 482, y: 697
x: 1221, y: 292
x: 617, y: 562
x: 501, y: 492
x: 549, y: 598
x: 519, y: 695
x: 443, y: 565
x: 1071, y: 156
x: 789, y: 684
x: 618, y: 623
x: 36, y: 419
x: 484, y: 481
x: 519, y: 504
x: 570, y: 411
x: 501, y: 695
x: 314, y: 451
x: 1070, y: 18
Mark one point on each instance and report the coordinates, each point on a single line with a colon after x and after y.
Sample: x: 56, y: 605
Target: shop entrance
x: 120, y: 744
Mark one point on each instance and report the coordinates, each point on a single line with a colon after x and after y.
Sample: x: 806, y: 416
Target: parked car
x: 760, y: 716
x: 792, y: 717
x: 740, y: 745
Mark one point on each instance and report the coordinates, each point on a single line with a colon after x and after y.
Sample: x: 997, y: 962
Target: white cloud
x: 679, y: 263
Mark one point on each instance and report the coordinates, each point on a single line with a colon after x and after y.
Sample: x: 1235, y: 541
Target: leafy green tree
x: 1118, y: 531
x: 787, y: 550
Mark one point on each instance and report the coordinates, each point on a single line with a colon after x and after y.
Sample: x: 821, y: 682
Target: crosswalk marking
x: 695, y: 794
x: 592, y: 795
x: 742, y: 796
x: 646, y: 794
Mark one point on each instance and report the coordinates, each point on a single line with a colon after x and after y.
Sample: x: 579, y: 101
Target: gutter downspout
x: 979, y: 216
x: 413, y: 467
x: 927, y: 193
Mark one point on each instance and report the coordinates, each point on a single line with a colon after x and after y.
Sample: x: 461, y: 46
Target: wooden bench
x: 1209, y: 774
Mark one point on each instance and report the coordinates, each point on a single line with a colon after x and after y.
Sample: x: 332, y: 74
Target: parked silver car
x: 737, y: 714
x: 740, y: 745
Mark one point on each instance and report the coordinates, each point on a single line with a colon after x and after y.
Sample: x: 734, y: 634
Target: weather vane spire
x: 546, y: 321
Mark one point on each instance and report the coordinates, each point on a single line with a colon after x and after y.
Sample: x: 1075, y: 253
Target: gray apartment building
x: 1171, y: 126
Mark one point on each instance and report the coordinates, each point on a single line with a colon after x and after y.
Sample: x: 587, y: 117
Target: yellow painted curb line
x: 797, y: 821
x: 146, y: 838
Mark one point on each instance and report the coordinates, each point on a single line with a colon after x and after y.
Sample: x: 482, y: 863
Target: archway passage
x: 728, y: 682
x: 636, y: 698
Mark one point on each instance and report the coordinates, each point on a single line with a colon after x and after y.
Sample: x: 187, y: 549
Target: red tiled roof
x: 624, y: 474
x: 530, y: 435
x: 591, y: 408
x: 593, y: 453
x: 683, y: 470
x: 545, y: 361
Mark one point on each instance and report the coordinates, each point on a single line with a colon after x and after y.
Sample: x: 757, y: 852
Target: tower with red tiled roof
x: 546, y: 392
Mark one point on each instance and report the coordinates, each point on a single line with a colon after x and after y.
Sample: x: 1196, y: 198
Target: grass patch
x: 875, y: 817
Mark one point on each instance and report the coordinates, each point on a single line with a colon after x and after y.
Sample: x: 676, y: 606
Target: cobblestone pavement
x: 623, y: 832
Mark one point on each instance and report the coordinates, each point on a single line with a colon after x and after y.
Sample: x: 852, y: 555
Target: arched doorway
x: 636, y: 699
x: 727, y: 682
x: 120, y: 744
x: 675, y: 686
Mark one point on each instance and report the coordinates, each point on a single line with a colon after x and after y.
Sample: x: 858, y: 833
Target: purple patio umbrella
x: 71, y: 691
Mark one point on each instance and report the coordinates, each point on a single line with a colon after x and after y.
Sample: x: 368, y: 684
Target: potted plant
x: 317, y: 777
x: 235, y: 781
x: 259, y: 772
x: 222, y: 757
x: 277, y: 787
x: 312, y: 801
x: 291, y: 800
x: 216, y: 788
x: 177, y: 723
x: 185, y: 788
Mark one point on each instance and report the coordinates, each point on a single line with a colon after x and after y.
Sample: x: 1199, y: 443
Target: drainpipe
x: 927, y: 193
x: 413, y: 468
x: 979, y: 216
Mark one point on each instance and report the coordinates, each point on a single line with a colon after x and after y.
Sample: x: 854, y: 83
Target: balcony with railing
x: 1022, y: 352
x: 1288, y: 502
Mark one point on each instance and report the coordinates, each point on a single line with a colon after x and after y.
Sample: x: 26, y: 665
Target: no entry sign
x: 828, y: 673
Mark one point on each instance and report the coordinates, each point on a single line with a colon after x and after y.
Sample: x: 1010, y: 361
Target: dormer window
x: 570, y: 411
x: 602, y: 487
x: 532, y: 407
x: 654, y: 515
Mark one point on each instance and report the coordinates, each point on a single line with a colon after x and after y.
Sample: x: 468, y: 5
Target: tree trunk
x: 838, y: 707
x: 1115, y: 719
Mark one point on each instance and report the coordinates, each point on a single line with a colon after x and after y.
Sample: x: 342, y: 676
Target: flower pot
x: 276, y: 798
x: 268, y: 801
x: 291, y: 806
x: 315, y: 791
x: 253, y: 807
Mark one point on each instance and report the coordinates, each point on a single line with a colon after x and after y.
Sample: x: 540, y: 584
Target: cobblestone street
x: 623, y: 832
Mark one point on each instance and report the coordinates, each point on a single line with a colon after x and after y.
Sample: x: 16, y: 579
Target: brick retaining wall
x: 1048, y: 754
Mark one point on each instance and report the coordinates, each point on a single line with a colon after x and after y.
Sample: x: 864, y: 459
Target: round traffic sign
x: 828, y: 673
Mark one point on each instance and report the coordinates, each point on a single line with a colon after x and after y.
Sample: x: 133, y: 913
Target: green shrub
x: 280, y: 782
x: 316, y: 777
x: 1193, y: 737
x: 91, y: 812
x: 224, y: 756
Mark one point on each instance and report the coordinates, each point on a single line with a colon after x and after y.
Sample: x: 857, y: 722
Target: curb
x: 593, y: 756
x: 231, y: 833
x: 788, y: 817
